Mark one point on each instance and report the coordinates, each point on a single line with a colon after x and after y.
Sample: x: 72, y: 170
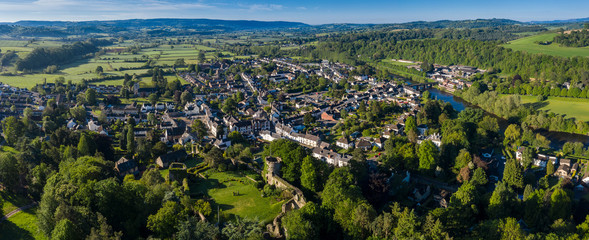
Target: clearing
x: 249, y: 203
x: 530, y: 45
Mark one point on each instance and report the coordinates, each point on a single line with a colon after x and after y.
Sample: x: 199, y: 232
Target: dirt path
x: 10, y: 214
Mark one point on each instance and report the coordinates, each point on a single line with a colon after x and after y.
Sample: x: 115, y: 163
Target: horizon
x: 308, y: 12
x: 219, y: 19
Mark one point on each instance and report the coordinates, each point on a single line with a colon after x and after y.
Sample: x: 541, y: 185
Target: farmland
x: 111, y: 61
x: 570, y: 107
x: 530, y: 45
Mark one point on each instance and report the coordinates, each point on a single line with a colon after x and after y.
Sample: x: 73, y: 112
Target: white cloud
x: 265, y: 7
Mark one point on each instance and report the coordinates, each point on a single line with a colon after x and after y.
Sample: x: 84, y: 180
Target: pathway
x: 10, y: 214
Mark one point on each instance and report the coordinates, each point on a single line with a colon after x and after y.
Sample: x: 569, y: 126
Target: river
x: 557, y: 139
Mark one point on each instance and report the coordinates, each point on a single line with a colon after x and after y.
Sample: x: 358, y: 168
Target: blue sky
x: 307, y: 11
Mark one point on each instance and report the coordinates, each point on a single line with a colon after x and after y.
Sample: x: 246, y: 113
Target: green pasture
x: 577, y: 108
x: 530, y: 45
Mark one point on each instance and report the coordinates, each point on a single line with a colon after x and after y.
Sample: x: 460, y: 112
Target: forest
x: 574, y: 38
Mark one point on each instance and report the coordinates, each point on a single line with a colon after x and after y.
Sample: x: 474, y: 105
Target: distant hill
x: 575, y: 20
x: 234, y: 25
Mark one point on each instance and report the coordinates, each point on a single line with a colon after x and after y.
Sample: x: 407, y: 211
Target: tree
x: 130, y: 139
x: 84, y: 145
x: 503, y: 201
x: 463, y: 159
x: 511, y: 230
x: 560, y: 205
x: 90, y: 96
x: 186, y: 97
x: 203, y: 207
x: 308, y: 119
x: 193, y: 228
x: 411, y: 128
x: 8, y: 171
x: 153, y: 98
x: 428, y: 153
x: 549, y: 168
x: 513, y: 174
x: 512, y: 134
x: 13, y: 128
x: 479, y: 177
x: 242, y: 228
x: 310, y: 178
x: 339, y: 187
x: 165, y: 221
x: 65, y: 230
x: 214, y: 157
x: 99, y: 70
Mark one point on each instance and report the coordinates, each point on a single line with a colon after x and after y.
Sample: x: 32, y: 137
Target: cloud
x: 265, y: 7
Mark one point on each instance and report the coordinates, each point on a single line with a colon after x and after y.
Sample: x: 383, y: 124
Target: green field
x: 530, y: 45
x: 577, y: 108
x: 22, y: 225
x: 110, y: 62
x: 390, y: 61
x: 220, y: 186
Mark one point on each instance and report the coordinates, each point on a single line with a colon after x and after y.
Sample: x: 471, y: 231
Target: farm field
x: 111, y: 62
x: 220, y: 186
x: 528, y: 44
x: 577, y: 108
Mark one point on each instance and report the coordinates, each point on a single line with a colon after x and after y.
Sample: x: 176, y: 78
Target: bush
x: 222, y: 167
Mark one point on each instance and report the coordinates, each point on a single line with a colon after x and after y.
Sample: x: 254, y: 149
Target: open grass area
x: 530, y: 45
x: 390, y: 61
x: 22, y: 225
x: 111, y: 62
x: 11, y: 201
x: 577, y: 108
x: 221, y: 187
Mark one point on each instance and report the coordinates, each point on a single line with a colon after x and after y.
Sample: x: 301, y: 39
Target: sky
x: 307, y: 11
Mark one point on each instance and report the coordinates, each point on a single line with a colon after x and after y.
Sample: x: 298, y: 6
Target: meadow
x: 111, y: 62
x: 577, y: 108
x: 221, y: 186
x: 530, y: 45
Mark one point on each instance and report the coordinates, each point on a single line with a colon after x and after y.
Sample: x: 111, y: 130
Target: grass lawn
x: 22, y: 225
x: 10, y: 202
x: 390, y: 61
x: 220, y: 186
x: 577, y: 108
x: 528, y: 44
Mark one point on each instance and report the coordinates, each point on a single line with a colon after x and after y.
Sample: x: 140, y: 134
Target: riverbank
x: 557, y: 139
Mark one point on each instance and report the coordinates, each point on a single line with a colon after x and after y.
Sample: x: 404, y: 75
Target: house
x: 564, y: 168
x: 331, y: 157
x: 363, y: 144
x: 269, y: 136
x: 164, y: 161
x: 519, y: 153
x: 344, y: 143
x: 325, y: 116
x: 378, y: 142
x: 422, y: 129
x: 435, y: 138
x: 125, y: 166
